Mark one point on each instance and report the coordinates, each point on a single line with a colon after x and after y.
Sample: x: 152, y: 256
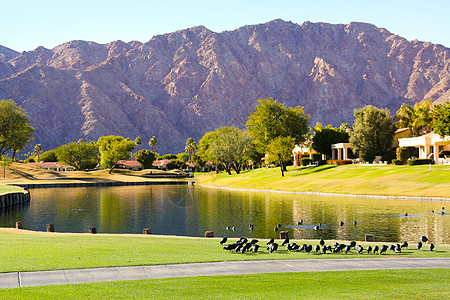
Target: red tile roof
x: 161, y: 163
x: 129, y: 163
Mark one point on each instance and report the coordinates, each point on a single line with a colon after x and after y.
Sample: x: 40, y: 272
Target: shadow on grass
x: 310, y: 170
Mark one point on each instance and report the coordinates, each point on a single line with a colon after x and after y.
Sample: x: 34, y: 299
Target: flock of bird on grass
x: 243, y: 245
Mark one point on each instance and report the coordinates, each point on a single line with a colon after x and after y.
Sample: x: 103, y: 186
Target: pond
x: 192, y: 210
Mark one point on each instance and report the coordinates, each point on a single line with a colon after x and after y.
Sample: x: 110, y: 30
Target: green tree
x: 79, y: 154
x: 152, y: 144
x: 272, y: 119
x: 5, y: 162
x: 323, y: 139
x: 169, y: 156
x: 190, y: 147
x: 137, y: 142
x: 183, y: 156
x: 38, y: 149
x: 49, y: 155
x: 146, y: 158
x: 15, y: 128
x: 441, y: 119
x: 280, y: 149
x: 230, y: 147
x: 373, y: 132
x: 114, y: 148
x: 175, y: 164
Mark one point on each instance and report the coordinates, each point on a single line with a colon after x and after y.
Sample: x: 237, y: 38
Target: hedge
x: 420, y: 161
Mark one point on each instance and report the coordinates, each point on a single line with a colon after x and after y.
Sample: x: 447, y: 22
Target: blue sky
x: 28, y: 24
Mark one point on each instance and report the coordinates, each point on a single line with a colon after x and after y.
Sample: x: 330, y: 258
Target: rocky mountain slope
x: 182, y: 84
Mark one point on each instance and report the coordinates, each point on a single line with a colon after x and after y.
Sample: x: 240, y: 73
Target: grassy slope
x: 9, y: 189
x: 30, y: 252
x: 348, y: 179
x: 374, y: 284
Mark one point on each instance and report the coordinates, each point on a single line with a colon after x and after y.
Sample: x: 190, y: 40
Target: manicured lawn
x: 8, y: 189
x: 347, y: 179
x: 31, y: 252
x: 374, y: 284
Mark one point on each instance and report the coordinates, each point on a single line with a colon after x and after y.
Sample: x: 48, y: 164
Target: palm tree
x: 38, y: 149
x: 137, y: 142
x: 417, y: 118
x: 190, y: 147
x: 152, y: 144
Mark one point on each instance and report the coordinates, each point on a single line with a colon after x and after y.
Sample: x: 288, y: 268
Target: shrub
x: 367, y: 156
x: 169, y: 156
x: 304, y: 161
x: 48, y: 156
x: 30, y: 159
x: 316, y: 157
x: 402, y: 154
x: 321, y: 162
x: 420, y: 161
x: 338, y: 162
x: 175, y: 164
x: 397, y: 162
x: 442, y: 154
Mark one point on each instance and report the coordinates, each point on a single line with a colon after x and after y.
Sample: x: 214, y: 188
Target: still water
x: 192, y: 210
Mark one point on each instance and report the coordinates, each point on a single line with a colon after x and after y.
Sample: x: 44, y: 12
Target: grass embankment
x: 4, y: 189
x: 52, y: 251
x: 414, y: 181
x: 379, y: 284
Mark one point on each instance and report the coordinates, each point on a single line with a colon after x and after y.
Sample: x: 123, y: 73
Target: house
x: 430, y: 145
x: 52, y: 166
x: 129, y: 165
x: 161, y: 164
x: 341, y: 151
x: 302, y: 150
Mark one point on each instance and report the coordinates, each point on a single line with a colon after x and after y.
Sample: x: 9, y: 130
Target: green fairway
x: 31, y: 252
x: 385, y: 180
x: 374, y: 284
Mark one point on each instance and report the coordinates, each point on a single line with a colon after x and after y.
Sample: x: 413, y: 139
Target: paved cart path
x: 39, y: 278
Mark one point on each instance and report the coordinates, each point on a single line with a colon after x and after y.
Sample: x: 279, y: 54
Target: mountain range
x: 185, y: 83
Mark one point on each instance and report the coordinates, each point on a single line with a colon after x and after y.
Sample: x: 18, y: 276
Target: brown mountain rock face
x: 185, y: 83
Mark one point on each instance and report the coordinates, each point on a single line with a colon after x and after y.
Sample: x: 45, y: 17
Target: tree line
x: 270, y: 134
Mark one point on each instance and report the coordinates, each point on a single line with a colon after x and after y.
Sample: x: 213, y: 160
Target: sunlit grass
x: 347, y: 179
x: 373, y: 284
x: 9, y: 189
x: 42, y: 251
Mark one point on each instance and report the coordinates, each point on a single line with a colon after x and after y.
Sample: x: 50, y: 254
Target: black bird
x: 369, y: 249
x: 251, y: 227
x: 279, y: 225
x: 431, y: 247
x: 286, y: 241
x: 375, y: 249
x: 392, y: 247
x: 398, y: 249
x: 404, y: 244
x: 231, y: 246
x: 243, y: 240
x: 223, y: 241
x: 335, y: 244
x: 227, y: 228
x: 354, y: 223
x: 300, y: 222
x: 419, y: 245
x: 383, y: 249
x: 254, y: 241
x: 308, y: 249
x: 406, y: 214
x: 255, y: 248
x: 424, y: 239
x: 239, y: 247
x: 273, y: 247
x: 360, y: 249
x: 317, y: 248
x: 233, y: 228
x: 341, y: 223
x: 246, y: 247
x: 328, y: 247
x: 316, y: 227
x: 294, y: 247
x: 352, y: 244
x: 270, y: 241
x: 288, y: 247
x: 324, y: 249
x: 321, y: 242
x: 347, y: 249
x: 276, y: 229
x: 339, y: 248
x: 303, y: 247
